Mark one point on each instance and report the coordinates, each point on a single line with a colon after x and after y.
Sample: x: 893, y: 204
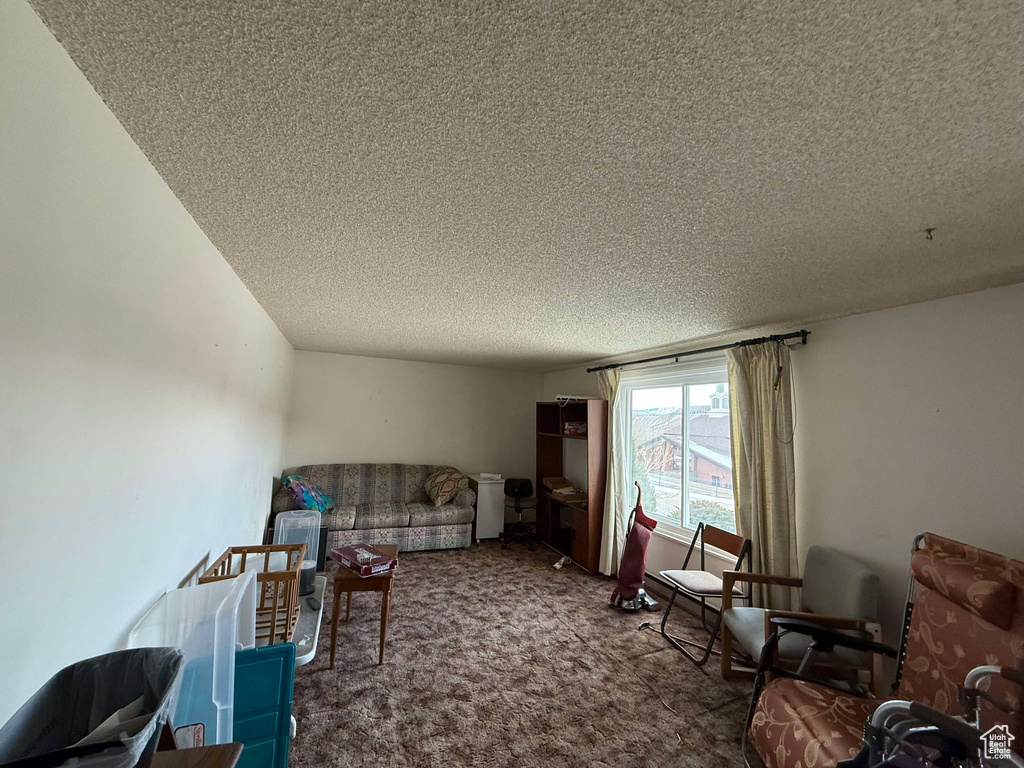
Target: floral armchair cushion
x: 968, y: 611
x: 798, y: 723
x: 967, y: 578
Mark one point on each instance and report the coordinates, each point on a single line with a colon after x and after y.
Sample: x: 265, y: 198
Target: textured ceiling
x: 539, y: 183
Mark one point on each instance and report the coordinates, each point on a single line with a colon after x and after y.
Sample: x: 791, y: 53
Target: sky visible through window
x: 671, y: 397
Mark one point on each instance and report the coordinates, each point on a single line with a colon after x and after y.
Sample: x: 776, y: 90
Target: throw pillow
x: 283, y: 501
x: 444, y: 484
x: 307, y: 495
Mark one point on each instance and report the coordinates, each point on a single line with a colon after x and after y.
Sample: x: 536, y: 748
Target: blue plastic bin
x: 264, y: 685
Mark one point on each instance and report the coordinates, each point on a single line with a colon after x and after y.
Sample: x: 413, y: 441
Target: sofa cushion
x: 354, y: 484
x: 340, y: 518
x: 381, y: 515
x: 444, y: 484
x: 406, y: 539
x: 447, y: 514
x: 800, y: 724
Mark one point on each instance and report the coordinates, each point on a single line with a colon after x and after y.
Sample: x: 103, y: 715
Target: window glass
x: 679, y: 446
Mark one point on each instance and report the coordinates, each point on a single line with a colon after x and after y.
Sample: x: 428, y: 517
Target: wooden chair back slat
x: 723, y: 540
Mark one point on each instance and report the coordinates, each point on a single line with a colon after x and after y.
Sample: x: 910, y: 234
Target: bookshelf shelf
x: 563, y: 437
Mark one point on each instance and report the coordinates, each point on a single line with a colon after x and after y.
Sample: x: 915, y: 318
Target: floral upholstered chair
x: 965, y: 609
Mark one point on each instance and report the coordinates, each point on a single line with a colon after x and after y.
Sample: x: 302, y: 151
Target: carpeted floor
x: 494, y: 658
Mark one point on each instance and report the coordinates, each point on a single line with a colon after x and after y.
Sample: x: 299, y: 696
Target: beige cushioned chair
x: 835, y: 590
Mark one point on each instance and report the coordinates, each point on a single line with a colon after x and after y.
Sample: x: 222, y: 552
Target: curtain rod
x: 801, y: 334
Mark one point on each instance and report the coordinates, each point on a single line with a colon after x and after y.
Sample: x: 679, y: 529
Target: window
x: 679, y: 444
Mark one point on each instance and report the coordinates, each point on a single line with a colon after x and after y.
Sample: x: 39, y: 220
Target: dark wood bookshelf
x: 572, y: 528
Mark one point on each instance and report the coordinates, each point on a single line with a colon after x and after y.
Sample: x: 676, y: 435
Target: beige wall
x: 346, y: 408
x: 573, y: 381
x: 142, y: 388
x: 911, y: 419
x: 907, y: 419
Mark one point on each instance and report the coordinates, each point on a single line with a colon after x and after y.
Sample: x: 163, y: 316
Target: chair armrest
x: 962, y: 731
x: 832, y: 637
x: 969, y: 694
x: 767, y: 664
x: 464, y: 497
x: 1013, y: 675
x: 762, y: 578
x: 833, y: 622
x: 729, y: 579
x: 871, y: 628
x: 976, y: 675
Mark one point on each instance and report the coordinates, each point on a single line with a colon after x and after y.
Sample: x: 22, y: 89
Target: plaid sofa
x: 386, y: 504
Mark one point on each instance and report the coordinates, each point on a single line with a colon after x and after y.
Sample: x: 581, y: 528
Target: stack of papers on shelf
x: 563, y: 490
x: 569, y: 494
x: 490, y: 475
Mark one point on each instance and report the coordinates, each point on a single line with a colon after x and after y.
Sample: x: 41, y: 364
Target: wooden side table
x: 348, y: 582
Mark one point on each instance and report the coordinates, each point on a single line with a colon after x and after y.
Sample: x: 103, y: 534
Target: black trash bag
x: 73, y: 715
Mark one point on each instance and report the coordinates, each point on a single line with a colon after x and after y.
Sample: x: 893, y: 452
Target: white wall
x: 142, y: 388
x: 346, y: 408
x: 912, y: 419
x: 907, y: 419
x: 577, y: 382
x: 572, y: 381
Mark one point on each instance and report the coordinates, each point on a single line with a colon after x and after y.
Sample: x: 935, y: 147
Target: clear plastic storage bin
x: 209, y: 622
x: 300, y: 526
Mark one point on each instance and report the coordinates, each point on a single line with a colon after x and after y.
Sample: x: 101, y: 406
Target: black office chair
x: 520, y: 490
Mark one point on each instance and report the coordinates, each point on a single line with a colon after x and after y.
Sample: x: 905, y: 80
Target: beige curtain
x: 613, y: 532
x: 761, y: 418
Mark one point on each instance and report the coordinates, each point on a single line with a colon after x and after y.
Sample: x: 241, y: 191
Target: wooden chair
x: 702, y: 585
x: 836, y: 590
